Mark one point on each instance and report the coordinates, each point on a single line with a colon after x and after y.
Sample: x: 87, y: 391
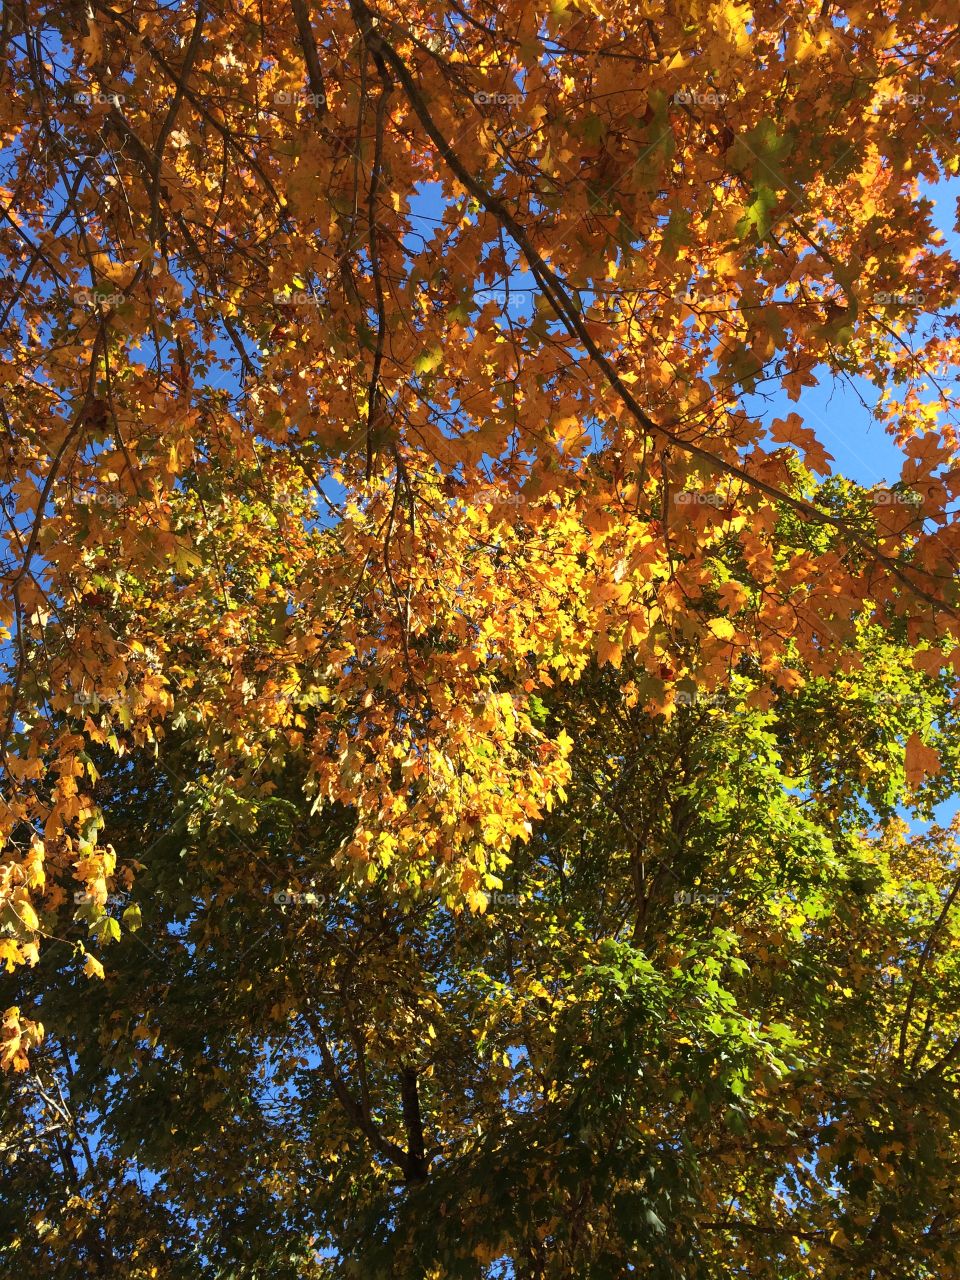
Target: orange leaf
x: 921, y: 761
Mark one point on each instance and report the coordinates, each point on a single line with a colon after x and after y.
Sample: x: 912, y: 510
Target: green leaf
x: 106, y: 929
x: 593, y: 128
x: 427, y: 361
x: 757, y: 217
x: 676, y: 232
x: 760, y: 154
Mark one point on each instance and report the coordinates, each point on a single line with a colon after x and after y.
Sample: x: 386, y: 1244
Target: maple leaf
x: 762, y: 153
x: 790, y: 430
x: 920, y: 762
x: 758, y: 215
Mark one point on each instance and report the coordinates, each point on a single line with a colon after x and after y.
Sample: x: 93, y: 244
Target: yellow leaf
x: 722, y: 628
x: 27, y: 914
x: 92, y: 43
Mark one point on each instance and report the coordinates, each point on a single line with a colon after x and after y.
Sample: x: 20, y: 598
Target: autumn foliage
x: 456, y: 723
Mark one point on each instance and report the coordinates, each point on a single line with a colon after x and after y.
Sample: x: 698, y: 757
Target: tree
x: 708, y: 1022
x: 344, y: 594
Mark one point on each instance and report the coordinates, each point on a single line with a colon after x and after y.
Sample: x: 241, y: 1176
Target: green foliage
x: 710, y: 1023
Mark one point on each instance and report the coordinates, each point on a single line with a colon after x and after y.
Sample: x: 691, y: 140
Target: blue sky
x: 839, y: 410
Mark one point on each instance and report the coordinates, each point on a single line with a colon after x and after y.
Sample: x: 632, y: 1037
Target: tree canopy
x: 456, y: 724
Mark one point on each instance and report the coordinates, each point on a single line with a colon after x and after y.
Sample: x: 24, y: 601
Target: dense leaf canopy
x: 456, y: 726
